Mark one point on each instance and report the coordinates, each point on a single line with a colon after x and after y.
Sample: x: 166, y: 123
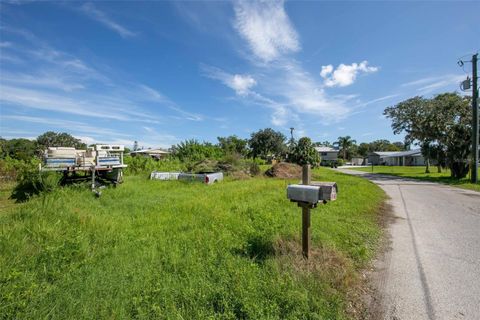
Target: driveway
x: 432, y: 268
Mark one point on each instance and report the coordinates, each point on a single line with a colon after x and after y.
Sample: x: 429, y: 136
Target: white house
x: 397, y: 158
x: 327, y: 154
x: 154, y: 153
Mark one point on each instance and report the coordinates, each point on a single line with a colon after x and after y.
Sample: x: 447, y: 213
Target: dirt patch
x: 327, y: 266
x: 372, y: 277
x: 362, y: 287
x: 284, y: 170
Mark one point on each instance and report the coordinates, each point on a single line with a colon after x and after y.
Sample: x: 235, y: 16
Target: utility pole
x: 475, y: 119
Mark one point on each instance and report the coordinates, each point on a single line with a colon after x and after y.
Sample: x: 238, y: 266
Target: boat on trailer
x: 101, y: 162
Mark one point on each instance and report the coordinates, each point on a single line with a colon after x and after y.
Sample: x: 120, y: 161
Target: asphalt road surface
x: 432, y: 268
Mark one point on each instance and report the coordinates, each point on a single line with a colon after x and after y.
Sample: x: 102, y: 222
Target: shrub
x: 35, y: 183
x: 192, y: 150
x: 14, y: 169
x: 255, y: 169
x: 304, y: 153
x: 145, y: 165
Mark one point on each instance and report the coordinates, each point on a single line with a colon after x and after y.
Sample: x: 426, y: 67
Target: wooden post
x: 306, y: 174
x: 306, y: 231
x: 306, y: 179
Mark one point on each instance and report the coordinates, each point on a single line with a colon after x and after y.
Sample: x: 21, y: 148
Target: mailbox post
x: 306, y: 179
x: 307, y: 195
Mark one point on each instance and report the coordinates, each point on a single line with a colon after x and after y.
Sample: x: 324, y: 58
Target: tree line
x: 25, y: 149
x: 441, y: 126
x: 265, y: 144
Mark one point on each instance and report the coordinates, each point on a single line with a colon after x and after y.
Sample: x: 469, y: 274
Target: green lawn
x: 419, y: 173
x: 173, y: 250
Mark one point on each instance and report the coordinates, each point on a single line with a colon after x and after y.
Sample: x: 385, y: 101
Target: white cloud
x: 51, y: 81
x: 431, y: 84
x: 280, y: 116
x: 344, y: 75
x: 267, y: 28
x: 90, y: 10
x: 279, y: 82
x: 285, y: 86
x: 74, y: 126
x: 154, y: 95
x: 326, y: 70
x: 86, y: 139
x: 155, y: 139
x: 241, y: 84
x: 60, y: 82
x: 98, y: 107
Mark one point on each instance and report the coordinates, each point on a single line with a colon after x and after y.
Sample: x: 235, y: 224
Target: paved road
x: 432, y: 270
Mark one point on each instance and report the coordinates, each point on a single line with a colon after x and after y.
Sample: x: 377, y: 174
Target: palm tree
x: 345, y: 143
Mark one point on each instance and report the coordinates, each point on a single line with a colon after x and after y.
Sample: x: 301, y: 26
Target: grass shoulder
x: 418, y: 172
x: 150, y: 249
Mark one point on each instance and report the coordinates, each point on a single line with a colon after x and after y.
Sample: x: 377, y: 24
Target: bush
x: 192, y: 150
x: 255, y: 169
x: 35, y: 183
x: 304, y: 153
x: 145, y: 165
x: 15, y: 170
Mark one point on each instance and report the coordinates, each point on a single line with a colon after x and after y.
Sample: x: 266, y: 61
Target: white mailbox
x: 312, y: 193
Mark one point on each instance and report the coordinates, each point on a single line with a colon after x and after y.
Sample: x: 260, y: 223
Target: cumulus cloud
x: 344, y: 75
x: 242, y: 83
x: 326, y: 70
x: 266, y: 28
x: 280, y: 82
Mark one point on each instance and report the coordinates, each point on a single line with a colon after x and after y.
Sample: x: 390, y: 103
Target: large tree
x: 379, y: 145
x: 345, y: 144
x: 233, y: 144
x: 267, y: 142
x: 322, y: 144
x: 450, y: 125
x: 55, y: 139
x: 441, y: 126
x: 410, y: 117
x: 304, y: 153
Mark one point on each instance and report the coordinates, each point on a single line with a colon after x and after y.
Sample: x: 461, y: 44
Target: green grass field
x: 173, y: 250
x: 419, y: 173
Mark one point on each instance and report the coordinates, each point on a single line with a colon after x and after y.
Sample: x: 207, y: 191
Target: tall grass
x: 173, y: 250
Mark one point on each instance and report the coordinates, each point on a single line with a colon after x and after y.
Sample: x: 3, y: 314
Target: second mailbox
x: 312, y: 193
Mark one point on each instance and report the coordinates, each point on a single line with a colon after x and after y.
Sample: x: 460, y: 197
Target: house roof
x: 325, y: 149
x: 151, y: 151
x: 388, y: 154
x: 384, y: 153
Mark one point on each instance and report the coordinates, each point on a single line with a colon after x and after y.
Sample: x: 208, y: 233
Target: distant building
x: 359, y: 161
x: 327, y: 154
x: 153, y: 153
x: 397, y: 158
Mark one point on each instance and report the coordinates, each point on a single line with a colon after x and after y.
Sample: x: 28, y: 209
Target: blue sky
x: 162, y: 72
